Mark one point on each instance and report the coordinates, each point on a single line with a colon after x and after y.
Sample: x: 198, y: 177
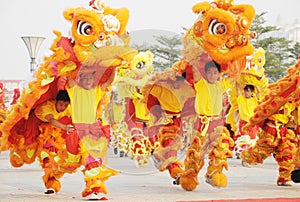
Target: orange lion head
x: 221, y: 31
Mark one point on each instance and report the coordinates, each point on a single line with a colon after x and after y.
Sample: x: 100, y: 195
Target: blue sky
x: 41, y: 17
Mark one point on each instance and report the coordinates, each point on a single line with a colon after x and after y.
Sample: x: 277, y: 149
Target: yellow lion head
x: 254, y: 73
x: 141, y: 64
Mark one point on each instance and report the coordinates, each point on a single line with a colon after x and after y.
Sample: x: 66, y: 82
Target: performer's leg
x: 218, y: 159
x: 285, y: 154
x: 165, y: 155
x: 95, y: 175
x: 263, y: 148
x: 94, y: 156
x: 51, y: 183
x: 193, y: 163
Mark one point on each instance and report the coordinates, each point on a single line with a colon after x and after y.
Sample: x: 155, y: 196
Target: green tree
x: 166, y: 50
x: 277, y: 49
x: 295, y: 51
x: 142, y: 47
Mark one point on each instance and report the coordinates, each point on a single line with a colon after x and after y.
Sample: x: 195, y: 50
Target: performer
x: 103, y: 27
x: 246, y: 101
x: 165, y: 98
x: 56, y: 155
x: 85, y: 96
x: 208, y: 106
x: 214, y: 36
x: 25, y: 133
x: 129, y: 81
x: 42, y: 135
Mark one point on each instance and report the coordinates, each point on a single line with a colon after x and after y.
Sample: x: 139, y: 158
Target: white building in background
x: 290, y: 30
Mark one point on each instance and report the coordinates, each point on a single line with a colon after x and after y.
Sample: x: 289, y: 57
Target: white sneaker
x: 93, y: 196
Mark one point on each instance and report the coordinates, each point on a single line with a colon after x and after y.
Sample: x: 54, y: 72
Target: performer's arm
x: 71, y: 82
x: 110, y: 79
x: 196, y: 74
x: 54, y: 122
x: 61, y: 83
x: 257, y: 92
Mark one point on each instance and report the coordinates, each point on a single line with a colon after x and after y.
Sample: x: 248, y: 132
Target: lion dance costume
x: 92, y: 29
x: 273, y: 115
x: 221, y: 33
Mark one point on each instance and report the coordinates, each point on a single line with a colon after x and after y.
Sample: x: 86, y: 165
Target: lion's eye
x: 216, y: 27
x: 140, y: 65
x: 84, y: 28
x: 101, y: 37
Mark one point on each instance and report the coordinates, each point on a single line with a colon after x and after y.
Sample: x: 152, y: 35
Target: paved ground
x: 146, y: 184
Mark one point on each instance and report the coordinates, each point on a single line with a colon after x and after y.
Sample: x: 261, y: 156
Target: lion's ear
x: 69, y: 14
x: 201, y: 7
x: 246, y: 10
x: 150, y: 55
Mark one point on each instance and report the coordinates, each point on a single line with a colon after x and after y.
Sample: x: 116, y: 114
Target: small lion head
x: 141, y: 64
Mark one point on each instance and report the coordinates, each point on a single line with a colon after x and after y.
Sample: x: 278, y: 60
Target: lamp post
x: 33, y: 44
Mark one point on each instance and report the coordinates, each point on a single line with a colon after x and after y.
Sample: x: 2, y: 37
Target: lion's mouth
x: 223, y: 49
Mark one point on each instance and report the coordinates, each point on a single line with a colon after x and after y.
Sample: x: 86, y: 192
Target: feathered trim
x: 166, y: 153
x: 96, y: 183
x: 280, y: 92
x: 3, y: 115
x: 140, y: 147
x: 23, y: 154
x: 62, y: 160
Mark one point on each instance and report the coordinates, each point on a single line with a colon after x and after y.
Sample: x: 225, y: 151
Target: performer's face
x: 212, y: 75
x: 248, y: 93
x: 61, y: 105
x: 87, y: 80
